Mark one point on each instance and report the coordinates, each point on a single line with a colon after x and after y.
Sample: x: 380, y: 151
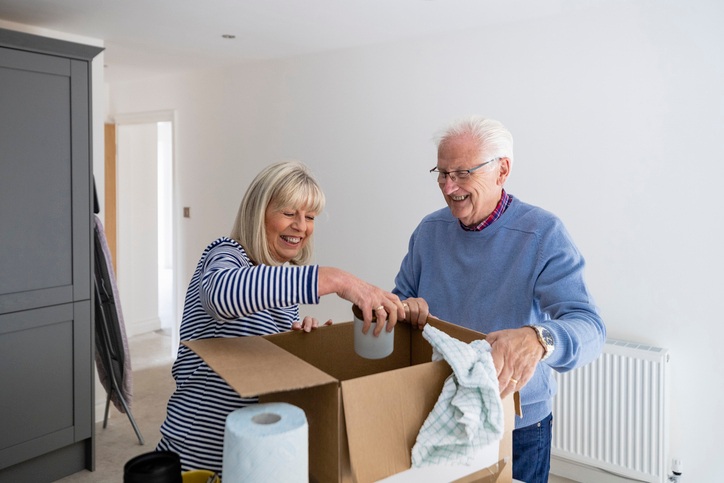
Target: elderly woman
x: 252, y: 284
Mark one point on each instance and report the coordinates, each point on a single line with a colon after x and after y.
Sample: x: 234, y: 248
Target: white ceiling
x: 145, y: 37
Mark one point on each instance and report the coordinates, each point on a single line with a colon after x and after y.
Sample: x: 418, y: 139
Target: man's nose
x: 449, y: 185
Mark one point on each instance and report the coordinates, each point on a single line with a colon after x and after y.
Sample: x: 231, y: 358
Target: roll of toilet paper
x: 370, y: 346
x: 266, y: 443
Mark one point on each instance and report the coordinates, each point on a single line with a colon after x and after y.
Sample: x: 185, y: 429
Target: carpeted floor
x: 152, y: 385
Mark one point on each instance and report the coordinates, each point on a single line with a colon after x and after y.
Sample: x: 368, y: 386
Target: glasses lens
x: 455, y: 176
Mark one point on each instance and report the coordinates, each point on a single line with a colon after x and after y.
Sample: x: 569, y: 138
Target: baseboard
x: 53, y: 465
x: 139, y: 327
x: 582, y: 473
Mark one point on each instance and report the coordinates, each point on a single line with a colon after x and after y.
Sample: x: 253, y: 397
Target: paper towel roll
x: 371, y: 346
x: 266, y: 443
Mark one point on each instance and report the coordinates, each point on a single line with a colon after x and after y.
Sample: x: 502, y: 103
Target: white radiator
x: 612, y: 415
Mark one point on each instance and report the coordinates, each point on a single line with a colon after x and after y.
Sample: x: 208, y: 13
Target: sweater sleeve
x: 406, y: 280
x: 571, y: 314
x: 231, y: 287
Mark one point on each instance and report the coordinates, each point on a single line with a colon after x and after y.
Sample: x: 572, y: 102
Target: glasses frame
x: 455, y: 175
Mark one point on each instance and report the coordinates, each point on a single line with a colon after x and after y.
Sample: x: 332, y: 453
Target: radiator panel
x: 612, y: 414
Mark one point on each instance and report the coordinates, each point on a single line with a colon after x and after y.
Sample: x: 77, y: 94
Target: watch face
x: 546, y: 339
x: 547, y: 336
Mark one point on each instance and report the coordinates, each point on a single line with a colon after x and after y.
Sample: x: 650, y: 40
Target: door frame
x: 151, y: 117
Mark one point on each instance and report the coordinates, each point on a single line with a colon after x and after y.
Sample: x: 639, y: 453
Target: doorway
x: 146, y: 245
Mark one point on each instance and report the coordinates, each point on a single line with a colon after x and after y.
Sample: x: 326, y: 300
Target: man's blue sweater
x: 523, y: 269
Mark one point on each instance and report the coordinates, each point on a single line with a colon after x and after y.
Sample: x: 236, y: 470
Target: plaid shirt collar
x: 503, y: 204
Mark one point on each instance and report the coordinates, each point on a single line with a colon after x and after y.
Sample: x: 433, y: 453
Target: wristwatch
x: 545, y: 337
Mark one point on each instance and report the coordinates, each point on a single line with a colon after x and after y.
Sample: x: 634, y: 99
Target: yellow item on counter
x: 200, y: 476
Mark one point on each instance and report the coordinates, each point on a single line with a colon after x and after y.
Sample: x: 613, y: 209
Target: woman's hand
x: 308, y: 324
x: 375, y: 302
x: 385, y: 307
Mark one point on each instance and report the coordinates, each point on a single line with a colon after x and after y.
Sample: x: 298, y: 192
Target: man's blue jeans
x: 532, y: 451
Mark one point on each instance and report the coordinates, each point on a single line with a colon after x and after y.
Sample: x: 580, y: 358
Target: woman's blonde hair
x: 288, y: 184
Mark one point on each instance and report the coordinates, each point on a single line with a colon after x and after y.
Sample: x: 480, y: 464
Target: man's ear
x: 503, y: 170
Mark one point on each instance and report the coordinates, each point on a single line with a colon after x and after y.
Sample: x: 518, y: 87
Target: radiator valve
x: 677, y: 469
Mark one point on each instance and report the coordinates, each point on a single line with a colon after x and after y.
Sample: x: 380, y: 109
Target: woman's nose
x: 300, y: 223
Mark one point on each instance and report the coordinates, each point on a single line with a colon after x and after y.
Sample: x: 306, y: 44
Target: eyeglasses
x: 457, y: 176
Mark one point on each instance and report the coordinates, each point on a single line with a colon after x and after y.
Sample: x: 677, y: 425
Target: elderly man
x: 493, y: 263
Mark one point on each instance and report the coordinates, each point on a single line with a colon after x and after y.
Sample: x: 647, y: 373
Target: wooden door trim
x: 110, y: 191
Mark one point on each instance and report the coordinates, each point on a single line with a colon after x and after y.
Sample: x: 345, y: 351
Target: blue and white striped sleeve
x: 232, y: 288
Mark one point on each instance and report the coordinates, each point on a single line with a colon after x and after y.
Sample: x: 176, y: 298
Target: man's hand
x: 516, y: 352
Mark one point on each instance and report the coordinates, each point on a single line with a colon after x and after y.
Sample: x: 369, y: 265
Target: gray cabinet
x: 46, y: 335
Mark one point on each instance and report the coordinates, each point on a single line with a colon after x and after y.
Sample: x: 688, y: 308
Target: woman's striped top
x: 228, y: 296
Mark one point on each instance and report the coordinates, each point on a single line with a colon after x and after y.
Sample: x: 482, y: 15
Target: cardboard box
x: 363, y: 415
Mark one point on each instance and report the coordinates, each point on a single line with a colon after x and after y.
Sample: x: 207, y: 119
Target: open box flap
x: 486, y: 475
x: 384, y: 414
x: 253, y: 366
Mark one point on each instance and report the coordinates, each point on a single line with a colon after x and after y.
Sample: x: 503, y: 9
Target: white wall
x: 137, y: 226
x: 617, y: 111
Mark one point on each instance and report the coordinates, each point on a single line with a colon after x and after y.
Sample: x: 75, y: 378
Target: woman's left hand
x: 308, y: 324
